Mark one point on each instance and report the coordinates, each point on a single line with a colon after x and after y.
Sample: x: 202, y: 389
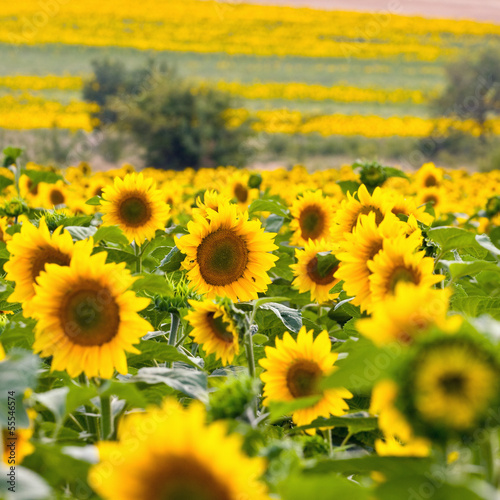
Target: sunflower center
x: 240, y: 192
x: 134, y: 211
x: 220, y: 328
x: 97, y: 191
x: 453, y: 383
x: 222, y: 257
x: 430, y: 198
x: 402, y: 274
x: 312, y: 222
x: 48, y: 255
x: 56, y: 197
x: 368, y: 209
x: 89, y: 315
x: 316, y: 276
x: 183, y: 478
x: 430, y: 181
x: 302, y: 378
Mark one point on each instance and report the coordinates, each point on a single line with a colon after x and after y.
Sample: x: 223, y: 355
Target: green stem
x: 91, y: 421
x: 330, y: 442
x: 250, y: 354
x: 344, y: 442
x: 487, y: 458
x: 106, y: 417
x: 138, y: 256
x: 181, y: 340
x: 174, y: 326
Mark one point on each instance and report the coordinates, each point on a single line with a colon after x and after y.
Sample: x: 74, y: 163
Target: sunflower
x: 16, y: 443
x: 136, y: 206
x: 87, y: 318
x: 236, y: 188
x: 312, y: 218
x: 451, y: 382
x: 211, y: 199
x: 4, y: 225
x: 31, y: 249
x: 294, y: 369
x: 214, y: 329
x: 27, y: 188
x: 360, y: 247
x: 408, y: 207
x: 308, y: 277
x: 350, y: 210
x: 399, y: 439
x: 52, y: 195
x: 410, y: 312
x: 399, y: 261
x: 434, y: 197
x: 428, y: 176
x: 170, y: 453
x: 227, y: 255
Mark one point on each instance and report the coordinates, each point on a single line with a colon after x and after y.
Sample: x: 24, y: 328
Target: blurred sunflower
x: 4, y: 225
x: 52, y: 195
x: 227, y: 255
x: 399, y: 261
x: 211, y: 199
x: 214, y: 329
x: 350, y: 210
x: 409, y: 313
x: 398, y: 437
x: 428, y: 176
x: 359, y: 249
x: 309, y: 277
x: 31, y: 249
x: 136, y: 206
x: 450, y: 383
x: 312, y: 218
x: 87, y: 318
x: 294, y: 369
x: 20, y: 437
x: 236, y: 187
x: 435, y: 197
x: 408, y: 207
x: 181, y: 457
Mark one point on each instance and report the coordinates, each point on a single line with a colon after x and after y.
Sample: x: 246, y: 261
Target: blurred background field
x: 318, y: 86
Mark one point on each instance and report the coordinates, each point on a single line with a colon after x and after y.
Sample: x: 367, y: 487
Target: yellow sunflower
x: 4, y: 225
x: 428, y: 176
x: 52, y: 195
x: 16, y: 443
x: 170, y: 453
x: 87, y: 318
x: 227, y: 255
x: 399, y: 439
x: 408, y: 206
x: 359, y: 249
x: 236, y: 188
x: 351, y: 209
x: 453, y: 382
x: 214, y: 329
x: 435, y: 197
x: 31, y: 249
x: 294, y: 369
x: 399, y: 261
x: 134, y: 204
x: 407, y: 314
x: 211, y: 199
x: 312, y: 218
x: 307, y: 276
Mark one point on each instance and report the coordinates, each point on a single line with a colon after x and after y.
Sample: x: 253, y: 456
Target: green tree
x: 180, y: 125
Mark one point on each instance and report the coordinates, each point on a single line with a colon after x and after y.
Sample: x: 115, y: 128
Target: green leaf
x: 485, y: 241
x: 460, y: 269
x: 355, y: 422
x: 38, y: 176
x: 349, y: 186
x: 81, y: 233
x: 5, y: 182
x: 159, y: 351
x: 321, y: 487
x: 274, y: 223
x: 94, y: 201
x: 475, y: 306
x: 278, y: 409
x: 394, y: 172
x: 153, y: 283
x: 172, y: 262
x: 260, y: 339
x: 193, y: 383
x: 111, y: 234
x: 291, y: 318
x: 454, y: 238
x: 272, y: 206
x: 326, y: 263
x: 11, y: 155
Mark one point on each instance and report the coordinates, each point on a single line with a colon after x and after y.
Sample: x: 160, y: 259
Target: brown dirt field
x: 480, y: 10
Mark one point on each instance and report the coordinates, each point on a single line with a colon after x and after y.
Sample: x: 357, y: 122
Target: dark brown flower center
x: 312, y: 222
x: 183, y: 478
x: 314, y: 274
x: 134, y: 211
x: 47, y: 255
x: 302, y: 378
x: 431, y: 198
x: 89, y: 315
x: 222, y: 257
x: 430, y: 180
x: 57, y: 197
x: 402, y: 274
x: 453, y: 383
x: 220, y: 328
x: 240, y: 192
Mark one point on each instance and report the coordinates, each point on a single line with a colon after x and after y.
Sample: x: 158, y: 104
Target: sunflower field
x: 227, y: 334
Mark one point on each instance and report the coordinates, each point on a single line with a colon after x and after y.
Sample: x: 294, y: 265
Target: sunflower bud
x: 15, y: 207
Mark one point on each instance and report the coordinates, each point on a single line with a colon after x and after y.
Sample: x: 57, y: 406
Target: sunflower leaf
x: 94, y: 201
x: 273, y: 206
x: 291, y: 318
x: 454, y: 238
x: 355, y: 422
x: 278, y: 409
x: 172, y: 262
